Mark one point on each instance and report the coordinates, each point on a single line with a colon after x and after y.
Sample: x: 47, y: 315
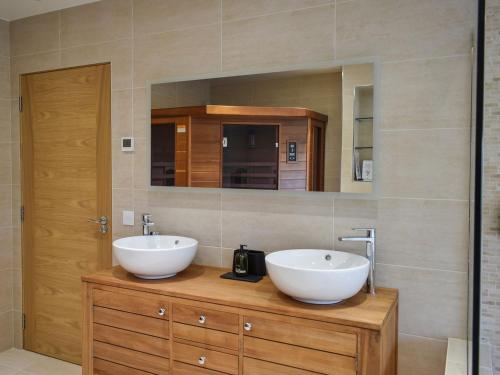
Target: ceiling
x: 11, y: 10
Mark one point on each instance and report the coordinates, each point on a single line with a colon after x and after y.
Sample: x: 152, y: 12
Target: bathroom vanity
x: 198, y: 323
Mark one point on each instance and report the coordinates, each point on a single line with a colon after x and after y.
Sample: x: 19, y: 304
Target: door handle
x: 103, y: 223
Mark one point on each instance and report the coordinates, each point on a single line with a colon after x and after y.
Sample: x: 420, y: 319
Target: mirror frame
x: 275, y: 69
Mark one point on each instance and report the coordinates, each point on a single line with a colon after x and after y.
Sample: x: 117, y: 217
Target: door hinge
x: 24, y: 321
x: 22, y: 214
x: 20, y: 104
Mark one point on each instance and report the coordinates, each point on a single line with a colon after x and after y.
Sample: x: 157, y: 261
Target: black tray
x: 247, y: 278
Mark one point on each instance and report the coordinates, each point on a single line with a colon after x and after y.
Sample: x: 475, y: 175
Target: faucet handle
x: 371, y: 231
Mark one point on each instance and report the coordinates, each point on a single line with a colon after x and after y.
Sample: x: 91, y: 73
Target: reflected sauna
x: 242, y: 147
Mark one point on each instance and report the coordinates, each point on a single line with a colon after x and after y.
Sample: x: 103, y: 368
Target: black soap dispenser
x: 240, y: 261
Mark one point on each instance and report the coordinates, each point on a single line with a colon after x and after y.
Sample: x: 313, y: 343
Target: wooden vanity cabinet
x: 198, y: 323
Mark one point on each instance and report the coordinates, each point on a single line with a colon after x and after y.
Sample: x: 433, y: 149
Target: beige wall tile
x: 6, y: 282
x: 398, y: 30
x: 6, y: 247
x: 236, y: 9
x: 122, y: 166
x: 193, y: 51
x: 16, y: 247
x: 5, y: 163
x: 267, y: 221
x: 15, y: 128
x: 426, y: 93
x: 121, y: 113
x: 157, y: 16
x: 424, y: 164
x: 284, y: 38
x: 423, y: 233
x: 141, y: 164
x: 433, y: 303
x: 119, y: 53
x: 421, y: 356
x: 5, y: 205
x: 208, y: 256
x: 5, y: 121
x: 6, y: 338
x: 192, y: 214
x: 17, y: 289
x: 4, y: 38
x: 16, y: 205
x: 4, y: 77
x: 35, y: 34
x: 97, y: 22
x: 141, y: 112
x: 18, y: 329
x: 30, y: 64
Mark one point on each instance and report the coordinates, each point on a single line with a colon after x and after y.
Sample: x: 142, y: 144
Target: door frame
x: 103, y: 181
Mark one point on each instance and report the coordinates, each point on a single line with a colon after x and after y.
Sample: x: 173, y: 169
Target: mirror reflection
x: 296, y: 130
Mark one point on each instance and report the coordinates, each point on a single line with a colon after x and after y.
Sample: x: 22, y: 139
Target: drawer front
x: 255, y: 367
x: 143, y: 304
x: 295, y: 356
x: 213, y: 319
x: 205, y: 358
x: 185, y: 369
x: 312, y: 335
x: 131, y: 358
x: 131, y: 340
x: 131, y: 322
x: 102, y: 367
x: 205, y: 336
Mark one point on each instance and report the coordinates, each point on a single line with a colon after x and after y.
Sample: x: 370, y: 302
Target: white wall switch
x: 128, y: 217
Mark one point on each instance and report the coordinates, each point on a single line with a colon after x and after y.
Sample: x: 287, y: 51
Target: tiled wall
x: 490, y: 318
x: 421, y: 212
x: 6, y: 248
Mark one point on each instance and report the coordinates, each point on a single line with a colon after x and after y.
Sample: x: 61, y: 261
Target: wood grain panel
x: 66, y: 179
x: 131, y: 358
x: 143, y: 304
x: 219, y: 320
x: 294, y: 356
x: 206, y: 148
x: 308, y: 334
x: 131, y: 322
x: 102, y: 367
x: 205, y: 336
x: 253, y: 366
x: 180, y: 368
x: 293, y: 130
x: 214, y: 360
x: 131, y: 340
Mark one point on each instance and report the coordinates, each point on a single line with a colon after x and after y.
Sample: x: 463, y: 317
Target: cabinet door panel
x: 253, y: 366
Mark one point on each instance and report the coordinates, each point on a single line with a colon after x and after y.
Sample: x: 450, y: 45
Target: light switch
x: 128, y: 217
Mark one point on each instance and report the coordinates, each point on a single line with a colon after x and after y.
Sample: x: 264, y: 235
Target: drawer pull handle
x: 162, y: 311
x: 202, y: 360
x: 202, y: 319
x: 247, y: 326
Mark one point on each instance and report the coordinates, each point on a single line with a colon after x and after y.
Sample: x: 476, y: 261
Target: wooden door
x: 66, y: 180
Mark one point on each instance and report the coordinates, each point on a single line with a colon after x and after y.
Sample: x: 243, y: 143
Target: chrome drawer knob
x: 202, y: 319
x: 162, y: 311
x: 247, y: 326
x: 202, y: 360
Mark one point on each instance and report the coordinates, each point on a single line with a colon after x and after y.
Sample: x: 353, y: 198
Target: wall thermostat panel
x: 127, y: 144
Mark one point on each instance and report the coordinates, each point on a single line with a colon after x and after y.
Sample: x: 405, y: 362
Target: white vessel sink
x: 317, y: 276
x: 155, y: 257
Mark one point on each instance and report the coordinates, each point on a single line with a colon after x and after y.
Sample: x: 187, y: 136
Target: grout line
x: 335, y: 30
x: 421, y: 199
x: 394, y: 130
x: 157, y: 33
x: 425, y: 58
x: 423, y: 337
x: 420, y: 268
x: 220, y: 35
x: 326, y: 4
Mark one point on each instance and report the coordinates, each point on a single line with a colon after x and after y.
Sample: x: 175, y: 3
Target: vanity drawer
x: 213, y: 319
x: 185, y: 369
x: 205, y: 358
x: 205, y: 336
x: 138, y: 303
x: 314, y: 335
x: 255, y: 367
x: 296, y: 356
x: 102, y: 367
x: 131, y: 358
x: 131, y: 340
x: 131, y: 322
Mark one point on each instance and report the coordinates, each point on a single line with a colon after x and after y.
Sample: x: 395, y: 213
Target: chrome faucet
x: 370, y: 252
x: 147, y: 224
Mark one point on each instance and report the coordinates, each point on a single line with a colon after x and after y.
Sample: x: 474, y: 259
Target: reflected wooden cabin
x: 241, y: 147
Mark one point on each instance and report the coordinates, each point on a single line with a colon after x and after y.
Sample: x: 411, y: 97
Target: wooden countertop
x: 204, y: 284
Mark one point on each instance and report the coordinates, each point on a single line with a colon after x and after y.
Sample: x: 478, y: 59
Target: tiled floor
x: 22, y: 362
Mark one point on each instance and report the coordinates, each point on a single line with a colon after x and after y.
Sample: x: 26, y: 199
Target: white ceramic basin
x: 317, y: 276
x: 155, y: 257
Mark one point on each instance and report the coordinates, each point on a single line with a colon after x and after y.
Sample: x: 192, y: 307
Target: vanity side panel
x: 87, y: 337
x: 390, y: 343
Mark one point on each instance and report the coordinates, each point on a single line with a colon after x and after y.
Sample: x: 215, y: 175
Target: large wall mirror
x: 303, y: 130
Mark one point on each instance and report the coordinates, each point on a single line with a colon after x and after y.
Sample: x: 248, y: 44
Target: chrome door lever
x: 103, y: 223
